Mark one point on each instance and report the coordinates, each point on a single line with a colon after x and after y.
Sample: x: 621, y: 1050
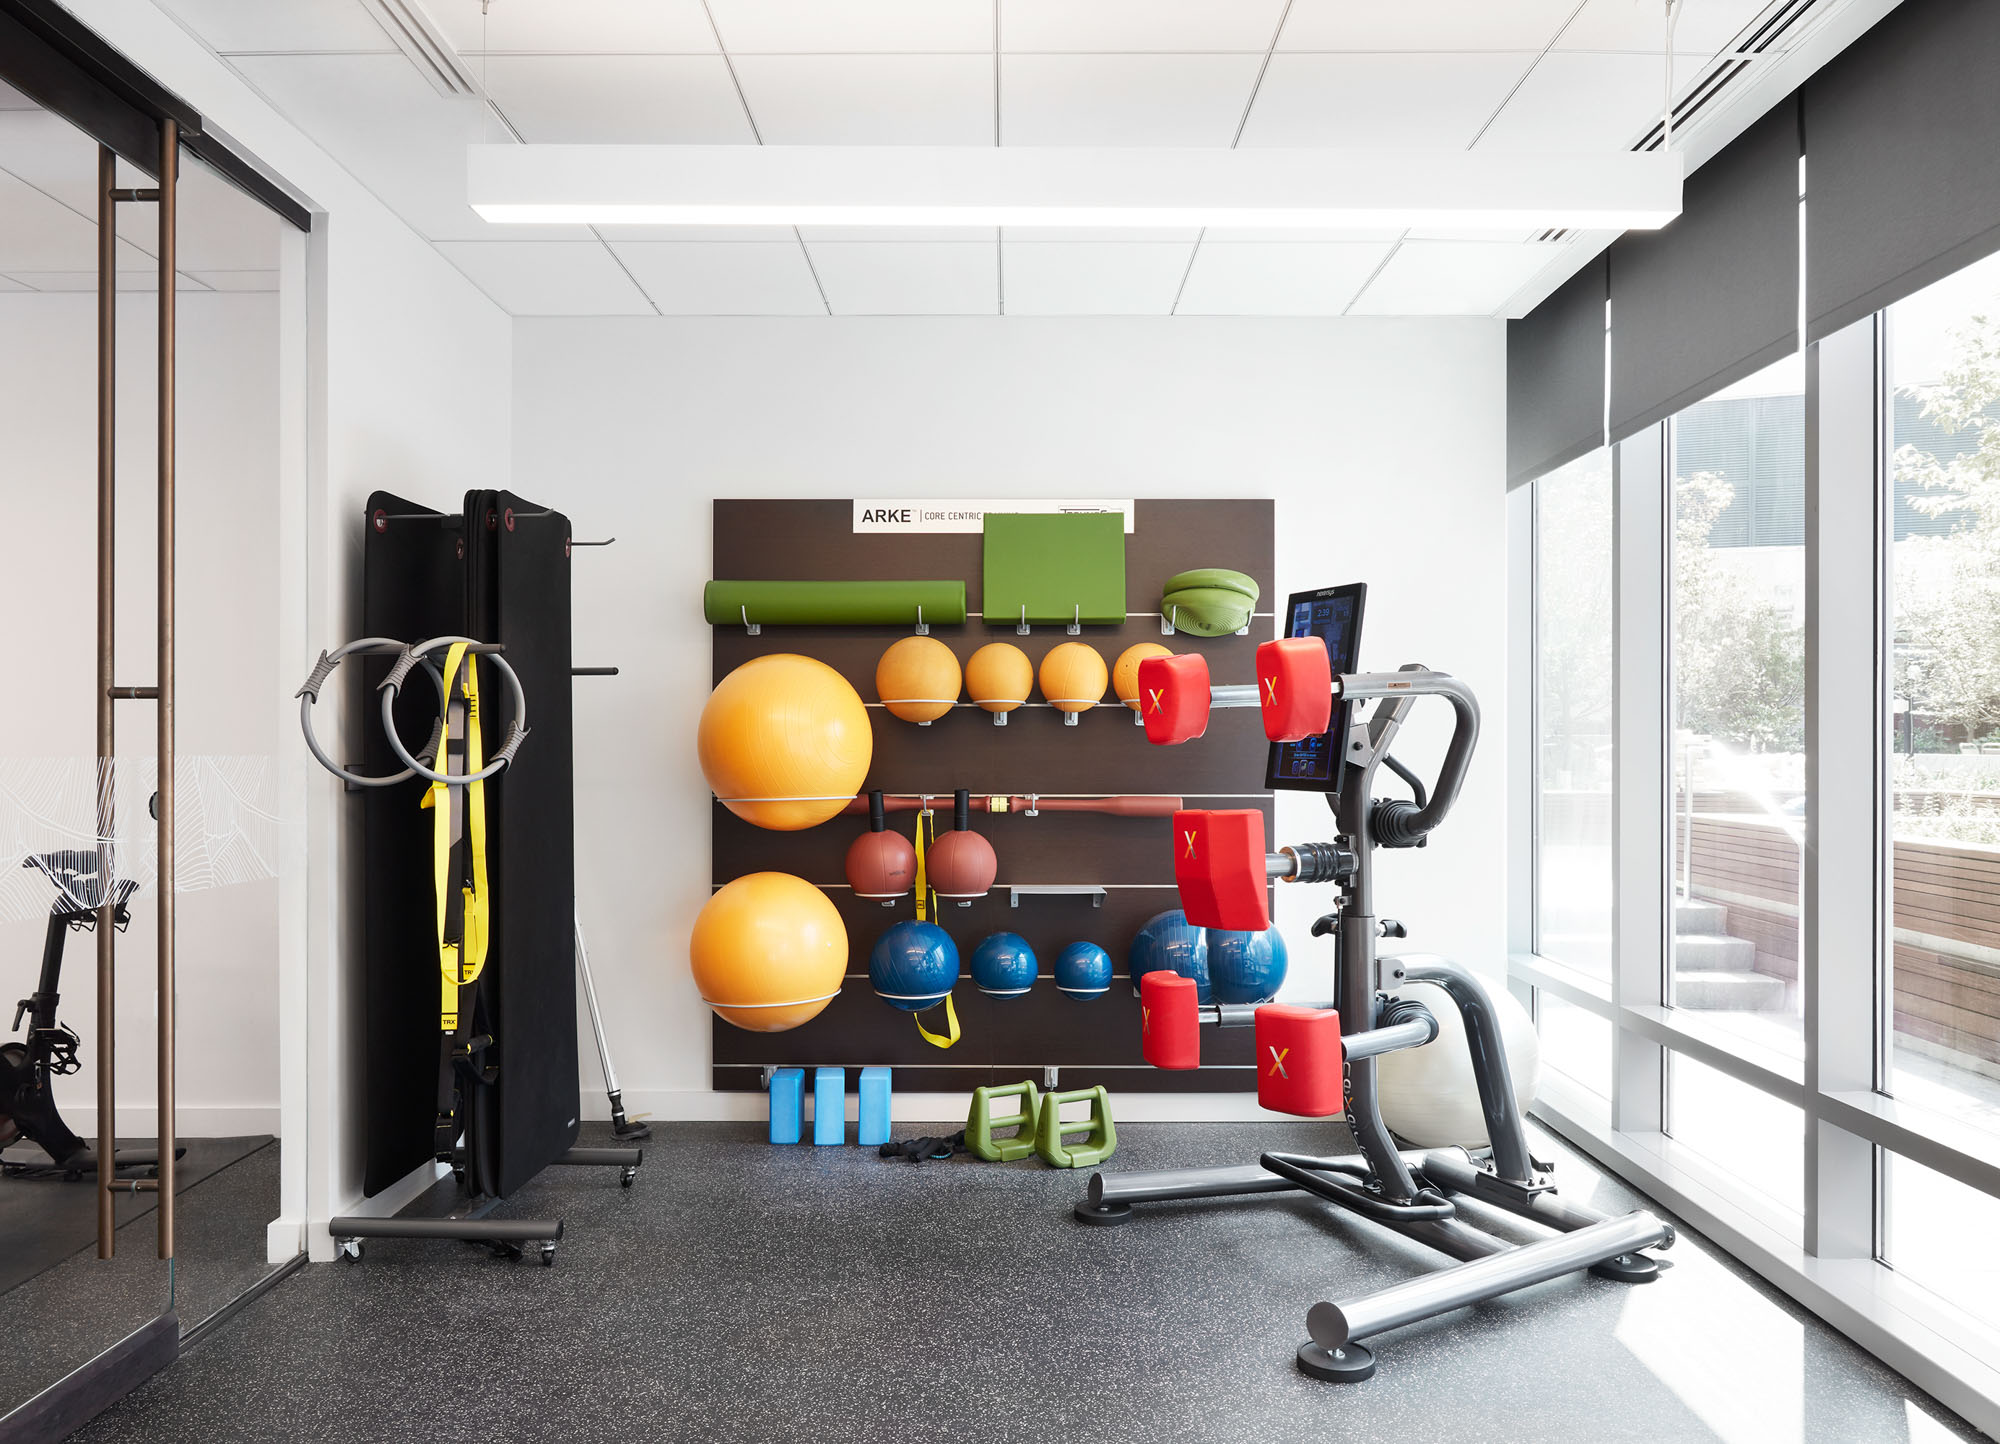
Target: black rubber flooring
x: 741, y: 1292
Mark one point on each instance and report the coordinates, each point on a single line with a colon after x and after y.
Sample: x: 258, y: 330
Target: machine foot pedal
x: 1102, y: 1215
x: 1347, y: 1364
x: 1628, y: 1268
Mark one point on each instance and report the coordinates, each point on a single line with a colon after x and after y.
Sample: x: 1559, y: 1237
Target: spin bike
x: 27, y: 1102
x: 1319, y: 1060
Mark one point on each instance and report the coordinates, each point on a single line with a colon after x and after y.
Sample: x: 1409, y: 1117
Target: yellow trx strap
x: 459, y: 962
x: 926, y: 904
x: 950, y: 1034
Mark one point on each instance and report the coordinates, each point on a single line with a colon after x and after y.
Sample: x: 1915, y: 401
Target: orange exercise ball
x: 785, y: 742
x: 917, y: 679
x: 1125, y: 671
x: 768, y: 952
x: 999, y: 677
x: 1073, y: 677
x: 960, y: 864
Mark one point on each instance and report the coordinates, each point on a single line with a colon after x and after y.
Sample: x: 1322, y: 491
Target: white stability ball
x: 1428, y: 1095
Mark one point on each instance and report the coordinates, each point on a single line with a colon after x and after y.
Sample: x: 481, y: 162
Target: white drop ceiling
x: 1475, y: 74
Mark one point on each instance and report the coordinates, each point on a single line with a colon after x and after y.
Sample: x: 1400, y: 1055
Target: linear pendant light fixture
x: 799, y: 185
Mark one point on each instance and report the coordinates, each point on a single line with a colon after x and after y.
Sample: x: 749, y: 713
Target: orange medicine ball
x: 1125, y: 671
x: 1073, y: 677
x: 785, y: 742
x: 999, y: 677
x: 961, y: 863
x: 917, y: 679
x: 769, y: 951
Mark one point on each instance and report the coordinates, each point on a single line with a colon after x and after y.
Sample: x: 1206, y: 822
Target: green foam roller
x: 1100, y: 1138
x: 834, y: 604
x: 980, y: 1123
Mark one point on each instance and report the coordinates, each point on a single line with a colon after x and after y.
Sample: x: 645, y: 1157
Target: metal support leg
x: 622, y: 1126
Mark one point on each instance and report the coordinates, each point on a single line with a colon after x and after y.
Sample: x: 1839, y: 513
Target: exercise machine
x: 48, y: 1050
x: 1319, y: 1060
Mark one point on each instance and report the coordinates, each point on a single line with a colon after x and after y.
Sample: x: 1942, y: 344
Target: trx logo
x: 1159, y: 695
x: 1190, y: 845
x: 1278, y: 1056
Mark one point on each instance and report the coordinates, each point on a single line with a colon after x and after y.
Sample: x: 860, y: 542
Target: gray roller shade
x: 1902, y: 159
x: 1555, y: 378
x: 1713, y: 296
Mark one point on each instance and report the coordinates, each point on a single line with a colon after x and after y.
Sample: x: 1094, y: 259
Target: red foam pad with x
x: 1299, y: 1061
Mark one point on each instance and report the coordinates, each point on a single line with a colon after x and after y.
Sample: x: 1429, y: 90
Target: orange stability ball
x: 917, y: 679
x: 999, y: 677
x: 785, y: 742
x: 768, y: 952
x: 1073, y: 677
x: 1125, y: 671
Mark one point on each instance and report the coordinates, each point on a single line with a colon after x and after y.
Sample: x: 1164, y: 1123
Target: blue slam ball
x: 1169, y: 941
x: 1003, y: 965
x: 913, y: 966
x: 1083, y: 970
x: 1246, y: 967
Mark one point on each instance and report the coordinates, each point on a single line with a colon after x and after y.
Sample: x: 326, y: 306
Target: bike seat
x: 75, y: 875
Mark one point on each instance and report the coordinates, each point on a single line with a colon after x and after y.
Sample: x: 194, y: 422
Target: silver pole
x: 590, y: 1000
x: 1334, y: 1326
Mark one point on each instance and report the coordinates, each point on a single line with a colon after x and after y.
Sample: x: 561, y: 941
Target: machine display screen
x: 1333, y: 614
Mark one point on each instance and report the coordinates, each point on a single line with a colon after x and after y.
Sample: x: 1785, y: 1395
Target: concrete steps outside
x: 1729, y: 992
x: 1715, y: 972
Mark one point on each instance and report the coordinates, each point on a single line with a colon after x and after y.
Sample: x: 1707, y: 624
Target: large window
x: 1738, y: 711
x: 1943, y: 533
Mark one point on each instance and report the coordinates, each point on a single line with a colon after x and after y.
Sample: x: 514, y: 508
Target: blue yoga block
x: 874, y: 1090
x: 788, y: 1103
x: 829, y: 1105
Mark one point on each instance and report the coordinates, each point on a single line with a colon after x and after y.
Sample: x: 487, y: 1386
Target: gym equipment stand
x: 1412, y: 1193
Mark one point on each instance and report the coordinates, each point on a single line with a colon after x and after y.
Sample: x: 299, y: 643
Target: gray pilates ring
x: 309, y: 694
x: 516, y: 729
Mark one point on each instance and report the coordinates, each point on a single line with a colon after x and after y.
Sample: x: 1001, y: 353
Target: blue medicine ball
x: 913, y: 966
x: 1169, y: 941
x: 1003, y: 965
x: 1246, y: 967
x: 1083, y: 970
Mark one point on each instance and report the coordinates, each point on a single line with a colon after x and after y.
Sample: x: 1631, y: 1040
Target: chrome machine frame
x: 1415, y: 1193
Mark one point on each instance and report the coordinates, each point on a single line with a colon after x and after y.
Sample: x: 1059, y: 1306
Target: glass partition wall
x: 1764, y: 654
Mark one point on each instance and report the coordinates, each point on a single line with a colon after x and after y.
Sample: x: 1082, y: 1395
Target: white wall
x: 227, y: 666
x: 1380, y: 439
x: 409, y: 389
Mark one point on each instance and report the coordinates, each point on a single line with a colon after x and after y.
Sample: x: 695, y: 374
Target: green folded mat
x: 833, y: 604
x: 1055, y: 567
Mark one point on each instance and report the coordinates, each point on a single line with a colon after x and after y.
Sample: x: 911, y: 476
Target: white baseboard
x: 693, y: 1105
x: 283, y: 1239
x: 190, y: 1121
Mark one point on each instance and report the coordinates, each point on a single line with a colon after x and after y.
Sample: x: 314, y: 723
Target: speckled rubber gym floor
x: 742, y: 1292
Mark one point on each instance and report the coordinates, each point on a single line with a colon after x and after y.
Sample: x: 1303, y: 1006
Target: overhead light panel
x: 801, y: 185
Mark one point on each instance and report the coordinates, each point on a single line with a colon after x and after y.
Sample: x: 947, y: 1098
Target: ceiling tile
x: 234, y: 25
x: 1585, y: 102
x: 1139, y: 25
x: 7, y: 286
x: 1388, y: 102
x: 872, y: 26
x: 618, y: 99
x: 1109, y: 278
x: 238, y: 280
x: 1452, y: 278
x: 1185, y: 234
x: 1433, y: 25
x: 986, y: 235
x: 38, y: 233
x: 399, y: 138
x: 724, y: 278
x: 1278, y: 278
x: 909, y: 278
x: 75, y: 281
x: 556, y: 27
x: 548, y: 278
x: 1703, y: 26
x: 1153, y: 100
x: 869, y: 99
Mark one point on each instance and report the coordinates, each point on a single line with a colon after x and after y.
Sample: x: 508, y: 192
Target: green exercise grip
x: 1100, y: 1134
x: 979, y: 1124
x: 833, y: 604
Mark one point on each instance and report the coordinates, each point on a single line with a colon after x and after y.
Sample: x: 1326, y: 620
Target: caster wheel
x: 625, y: 1177
x: 1348, y: 1364
x: 548, y: 1255
x: 350, y: 1250
x: 1628, y: 1268
x: 1102, y: 1215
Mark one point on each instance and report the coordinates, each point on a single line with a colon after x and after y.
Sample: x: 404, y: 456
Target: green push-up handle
x: 1100, y: 1134
x: 979, y: 1124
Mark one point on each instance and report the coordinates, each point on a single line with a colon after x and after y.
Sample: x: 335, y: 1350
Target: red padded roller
x: 1299, y: 1061
x: 1174, y: 697
x: 1219, y: 866
x: 1294, y: 688
x: 1169, y: 1028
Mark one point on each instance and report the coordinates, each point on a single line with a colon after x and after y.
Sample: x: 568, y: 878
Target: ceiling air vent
x: 1553, y: 238
x: 1775, y: 28
x: 418, y: 37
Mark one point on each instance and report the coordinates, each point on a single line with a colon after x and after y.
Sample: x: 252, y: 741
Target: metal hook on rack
x: 1021, y: 628
x: 1168, y: 622
x: 1075, y: 627
x: 923, y: 627
x: 749, y: 626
